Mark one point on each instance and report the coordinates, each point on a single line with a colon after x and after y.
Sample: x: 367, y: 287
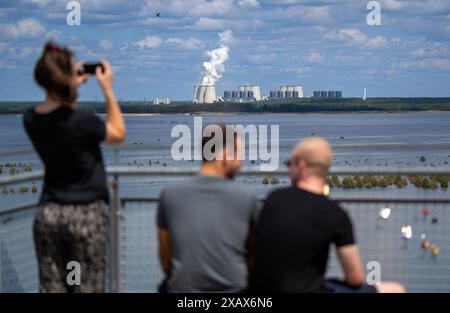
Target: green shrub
x: 374, y: 181
x: 24, y: 189
x: 12, y: 170
x: 348, y: 183
x: 336, y: 181
x: 426, y: 183
x: 28, y: 168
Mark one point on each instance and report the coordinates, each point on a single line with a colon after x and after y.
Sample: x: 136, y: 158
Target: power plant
x: 255, y: 90
x: 287, y: 92
x: 251, y: 93
x: 243, y: 94
x: 334, y: 94
x: 158, y: 101
x: 205, y: 94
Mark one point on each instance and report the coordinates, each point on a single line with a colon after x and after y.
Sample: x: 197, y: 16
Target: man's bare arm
x: 165, y: 250
x: 351, y: 264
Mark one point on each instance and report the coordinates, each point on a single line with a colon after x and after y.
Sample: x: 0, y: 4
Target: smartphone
x: 89, y: 68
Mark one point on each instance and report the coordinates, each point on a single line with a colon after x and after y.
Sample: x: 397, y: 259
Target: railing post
x: 115, y: 236
x: 1, y: 251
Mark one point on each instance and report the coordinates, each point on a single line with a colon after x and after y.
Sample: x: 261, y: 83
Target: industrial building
x: 243, y: 94
x: 287, y: 92
x: 158, y: 101
x: 333, y: 94
x: 205, y: 94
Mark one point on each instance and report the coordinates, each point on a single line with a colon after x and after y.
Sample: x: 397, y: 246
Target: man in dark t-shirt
x: 297, y: 226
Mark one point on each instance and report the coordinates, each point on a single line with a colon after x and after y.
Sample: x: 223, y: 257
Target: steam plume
x: 215, y: 67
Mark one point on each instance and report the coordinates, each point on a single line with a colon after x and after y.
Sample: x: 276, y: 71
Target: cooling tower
x: 299, y: 89
x: 205, y: 94
x: 256, y: 92
x: 210, y: 94
x: 200, y: 95
x: 195, y: 98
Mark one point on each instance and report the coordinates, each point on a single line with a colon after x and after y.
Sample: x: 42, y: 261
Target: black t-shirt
x: 68, y: 143
x: 293, y: 236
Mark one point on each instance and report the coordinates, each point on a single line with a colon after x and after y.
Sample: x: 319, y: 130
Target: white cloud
x: 350, y: 35
x: 354, y: 37
x: 199, y: 8
x: 226, y: 38
x: 207, y: 8
x: 317, y: 15
x: 105, y: 44
x: 300, y: 71
x: 416, y: 6
x: 149, y: 42
x: 377, y: 42
x: 175, y: 41
x: 23, y: 53
x: 42, y: 3
x: 26, y: 28
x: 429, y: 50
x: 249, y: 3
x: 55, y: 35
x: 315, y: 57
x: 391, y: 4
x: 421, y: 52
x: 3, y: 46
x: 260, y: 58
x: 191, y: 43
x: 209, y: 23
x: 5, y: 65
x: 312, y: 15
x: 433, y: 64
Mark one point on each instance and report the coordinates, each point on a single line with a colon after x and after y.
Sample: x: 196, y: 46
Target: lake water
x: 359, y: 139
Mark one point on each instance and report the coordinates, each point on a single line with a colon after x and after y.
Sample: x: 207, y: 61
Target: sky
x: 318, y: 44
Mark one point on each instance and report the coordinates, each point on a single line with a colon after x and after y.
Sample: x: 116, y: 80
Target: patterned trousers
x: 67, y: 233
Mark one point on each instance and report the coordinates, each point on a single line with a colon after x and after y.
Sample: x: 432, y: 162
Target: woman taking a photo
x: 72, y: 222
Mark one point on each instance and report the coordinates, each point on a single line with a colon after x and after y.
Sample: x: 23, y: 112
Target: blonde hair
x: 317, y: 154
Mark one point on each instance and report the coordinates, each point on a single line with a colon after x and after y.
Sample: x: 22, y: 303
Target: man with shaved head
x: 310, y: 162
x: 296, y: 228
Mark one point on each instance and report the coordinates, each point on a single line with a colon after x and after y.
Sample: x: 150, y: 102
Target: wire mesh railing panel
x: 410, y: 242
x: 421, y: 262
x: 140, y: 269
x: 18, y: 266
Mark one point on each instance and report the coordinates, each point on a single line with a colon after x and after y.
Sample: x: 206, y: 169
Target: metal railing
x: 362, y: 208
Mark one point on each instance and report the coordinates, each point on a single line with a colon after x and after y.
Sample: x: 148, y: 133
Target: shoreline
x: 259, y: 113
x: 286, y: 106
